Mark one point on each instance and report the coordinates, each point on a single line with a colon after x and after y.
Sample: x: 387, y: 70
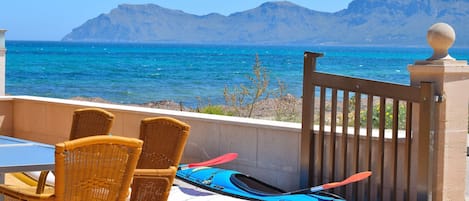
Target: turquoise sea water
x: 139, y: 73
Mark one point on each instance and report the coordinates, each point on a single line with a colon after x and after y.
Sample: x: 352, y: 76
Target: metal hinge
x: 438, y: 98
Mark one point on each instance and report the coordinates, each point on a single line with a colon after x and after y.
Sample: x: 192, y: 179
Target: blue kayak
x: 236, y: 184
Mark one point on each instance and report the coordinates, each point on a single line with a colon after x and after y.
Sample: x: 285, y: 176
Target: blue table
x: 18, y: 155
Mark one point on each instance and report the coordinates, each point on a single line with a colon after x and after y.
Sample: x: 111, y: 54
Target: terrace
x: 294, y: 155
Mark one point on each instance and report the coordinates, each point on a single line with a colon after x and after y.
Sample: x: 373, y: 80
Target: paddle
x: 354, y: 178
x: 215, y: 161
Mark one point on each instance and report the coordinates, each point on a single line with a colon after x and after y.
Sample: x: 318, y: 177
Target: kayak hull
x: 236, y: 184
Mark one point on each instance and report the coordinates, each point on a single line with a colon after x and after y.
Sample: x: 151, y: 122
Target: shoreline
x: 285, y: 108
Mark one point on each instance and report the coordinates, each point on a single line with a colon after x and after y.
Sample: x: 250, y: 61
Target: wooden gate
x: 351, y: 125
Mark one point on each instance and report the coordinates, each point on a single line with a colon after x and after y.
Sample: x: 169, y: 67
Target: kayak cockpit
x: 254, y: 186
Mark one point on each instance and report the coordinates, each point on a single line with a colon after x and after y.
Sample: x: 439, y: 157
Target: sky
x: 51, y: 20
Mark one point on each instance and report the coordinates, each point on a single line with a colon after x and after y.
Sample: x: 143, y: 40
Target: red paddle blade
x: 215, y: 161
x: 354, y: 178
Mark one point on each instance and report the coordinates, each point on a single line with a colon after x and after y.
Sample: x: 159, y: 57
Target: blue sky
x: 50, y: 20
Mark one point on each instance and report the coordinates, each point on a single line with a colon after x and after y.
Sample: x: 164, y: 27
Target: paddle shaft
x: 354, y: 178
x: 215, y: 161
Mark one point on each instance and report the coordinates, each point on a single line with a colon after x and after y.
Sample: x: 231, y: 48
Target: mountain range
x: 363, y: 22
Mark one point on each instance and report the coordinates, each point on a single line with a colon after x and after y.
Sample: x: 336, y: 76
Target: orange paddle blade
x: 354, y: 178
x: 215, y: 161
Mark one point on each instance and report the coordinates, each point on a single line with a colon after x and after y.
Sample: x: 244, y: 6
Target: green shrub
x: 388, y: 116
x: 213, y: 109
x: 401, y: 119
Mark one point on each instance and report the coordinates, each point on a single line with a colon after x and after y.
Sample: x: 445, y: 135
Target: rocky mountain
x: 364, y: 22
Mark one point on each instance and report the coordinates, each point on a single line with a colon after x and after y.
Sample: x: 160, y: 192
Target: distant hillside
x: 364, y: 22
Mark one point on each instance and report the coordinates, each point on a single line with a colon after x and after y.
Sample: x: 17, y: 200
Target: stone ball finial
x: 440, y: 37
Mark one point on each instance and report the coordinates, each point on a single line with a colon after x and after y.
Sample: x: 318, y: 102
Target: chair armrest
x: 150, y: 173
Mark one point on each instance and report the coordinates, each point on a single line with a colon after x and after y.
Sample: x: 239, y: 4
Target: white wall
x: 268, y: 150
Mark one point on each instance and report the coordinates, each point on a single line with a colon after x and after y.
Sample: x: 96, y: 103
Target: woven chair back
x: 91, y: 121
x: 96, y: 168
x: 164, y: 138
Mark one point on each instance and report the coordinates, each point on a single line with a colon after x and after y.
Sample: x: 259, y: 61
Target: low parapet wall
x: 268, y: 150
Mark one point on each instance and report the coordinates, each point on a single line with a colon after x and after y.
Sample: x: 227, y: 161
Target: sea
x: 192, y: 75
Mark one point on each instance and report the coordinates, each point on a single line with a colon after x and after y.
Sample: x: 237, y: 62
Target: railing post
x: 447, y: 150
x: 2, y: 62
x: 309, y: 66
x: 423, y: 154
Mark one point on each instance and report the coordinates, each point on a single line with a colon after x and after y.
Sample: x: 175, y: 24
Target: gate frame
x: 421, y: 129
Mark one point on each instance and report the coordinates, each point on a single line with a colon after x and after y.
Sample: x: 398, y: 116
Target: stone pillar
x: 2, y: 62
x: 451, y: 79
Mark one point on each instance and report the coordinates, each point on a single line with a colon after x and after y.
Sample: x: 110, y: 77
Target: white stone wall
x: 268, y: 150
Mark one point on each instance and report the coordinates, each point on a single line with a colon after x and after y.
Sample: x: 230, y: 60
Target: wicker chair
x: 164, y: 138
x: 86, y: 122
x: 89, y: 168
